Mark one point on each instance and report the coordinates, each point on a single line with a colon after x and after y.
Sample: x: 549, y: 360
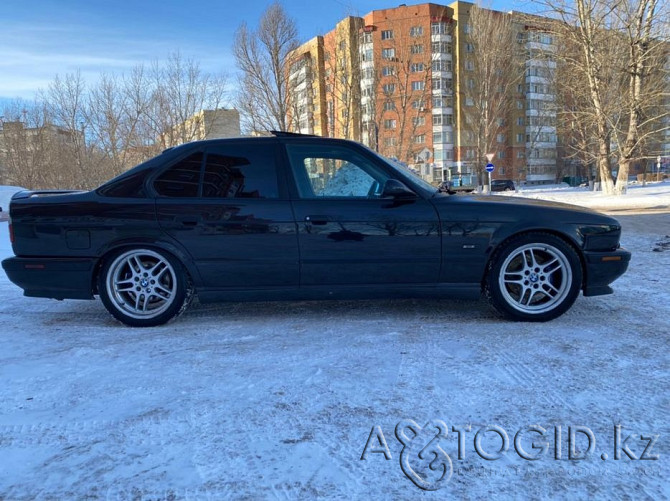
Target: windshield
x: 405, y: 172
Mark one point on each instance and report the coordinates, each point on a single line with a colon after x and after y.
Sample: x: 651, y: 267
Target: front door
x: 348, y: 234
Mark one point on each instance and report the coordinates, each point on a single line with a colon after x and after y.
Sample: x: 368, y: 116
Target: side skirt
x: 460, y: 291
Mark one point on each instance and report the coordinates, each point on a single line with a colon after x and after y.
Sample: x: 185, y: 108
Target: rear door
x: 227, y: 204
x: 348, y: 233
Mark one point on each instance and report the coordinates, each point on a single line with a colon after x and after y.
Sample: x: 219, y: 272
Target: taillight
x: 11, y: 231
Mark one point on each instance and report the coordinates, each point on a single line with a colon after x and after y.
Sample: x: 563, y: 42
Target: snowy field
x: 278, y: 400
x: 652, y: 196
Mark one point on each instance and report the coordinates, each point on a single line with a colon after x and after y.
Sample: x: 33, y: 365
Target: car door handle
x: 317, y: 219
x: 188, y: 220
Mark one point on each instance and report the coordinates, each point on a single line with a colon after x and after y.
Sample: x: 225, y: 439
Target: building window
x: 519, y: 138
x: 439, y: 29
x: 441, y: 47
x: 419, y: 85
x: 500, y: 122
x: 388, y: 71
x: 520, y: 154
x: 469, y: 101
x: 390, y: 141
x: 416, y: 49
x: 416, y: 31
x: 470, y: 83
x: 519, y: 121
x: 366, y: 55
x: 442, y: 137
x: 389, y: 106
x: 388, y: 88
x: 469, y: 47
x: 501, y: 154
x: 366, y: 38
x: 388, y: 53
x: 416, y: 121
x: 519, y: 105
x: 387, y: 34
x: 469, y: 65
x: 420, y: 139
x: 470, y: 154
x: 389, y: 123
x: 416, y: 67
x: 418, y: 104
x: 467, y: 29
x: 441, y: 65
x: 500, y: 138
x: 442, y: 119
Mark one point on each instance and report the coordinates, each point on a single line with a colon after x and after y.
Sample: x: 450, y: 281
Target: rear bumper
x: 57, y: 278
x: 603, y: 268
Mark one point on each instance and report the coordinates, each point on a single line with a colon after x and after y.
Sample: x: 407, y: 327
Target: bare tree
x: 262, y: 56
x: 180, y: 90
x: 342, y: 71
x: 493, y: 69
x: 399, y: 97
x: 24, y: 148
x: 645, y: 108
x: 78, y: 136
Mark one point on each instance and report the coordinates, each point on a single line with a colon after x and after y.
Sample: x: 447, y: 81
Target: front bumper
x: 57, y: 278
x: 603, y: 268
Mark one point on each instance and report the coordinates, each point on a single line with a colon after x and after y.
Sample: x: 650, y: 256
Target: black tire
x: 533, y: 277
x: 144, y: 287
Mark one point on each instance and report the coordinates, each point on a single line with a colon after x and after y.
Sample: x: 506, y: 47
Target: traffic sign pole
x: 490, y: 168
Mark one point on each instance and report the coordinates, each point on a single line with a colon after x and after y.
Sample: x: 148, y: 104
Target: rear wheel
x: 534, y: 277
x: 144, y: 287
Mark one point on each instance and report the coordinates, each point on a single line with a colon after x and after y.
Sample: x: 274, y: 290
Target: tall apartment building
x: 399, y: 80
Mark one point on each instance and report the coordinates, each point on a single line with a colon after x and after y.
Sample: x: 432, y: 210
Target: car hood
x: 501, y: 206
x: 530, y: 202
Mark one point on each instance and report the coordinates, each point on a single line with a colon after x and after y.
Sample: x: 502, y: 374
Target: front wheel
x: 144, y: 287
x: 534, y: 277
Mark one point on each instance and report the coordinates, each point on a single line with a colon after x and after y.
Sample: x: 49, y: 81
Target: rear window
x: 182, y: 179
x: 223, y: 171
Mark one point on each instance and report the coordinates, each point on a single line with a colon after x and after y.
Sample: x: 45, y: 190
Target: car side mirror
x: 396, y: 189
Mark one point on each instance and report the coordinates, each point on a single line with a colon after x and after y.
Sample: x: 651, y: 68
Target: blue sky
x: 42, y: 38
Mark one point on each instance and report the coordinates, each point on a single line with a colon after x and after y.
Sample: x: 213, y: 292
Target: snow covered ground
x: 277, y: 400
x: 652, y: 196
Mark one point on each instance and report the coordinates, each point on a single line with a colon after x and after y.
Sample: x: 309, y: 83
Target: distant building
x: 398, y: 80
x: 206, y: 124
x: 15, y: 133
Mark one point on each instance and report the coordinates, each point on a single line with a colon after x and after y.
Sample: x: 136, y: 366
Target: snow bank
x: 652, y: 196
x: 6, y: 193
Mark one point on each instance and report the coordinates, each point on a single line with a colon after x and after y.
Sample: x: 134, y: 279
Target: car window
x: 240, y: 171
x: 182, y: 179
x: 324, y: 171
x: 230, y: 171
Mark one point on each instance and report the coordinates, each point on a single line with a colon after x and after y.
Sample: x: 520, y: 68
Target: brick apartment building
x: 398, y: 81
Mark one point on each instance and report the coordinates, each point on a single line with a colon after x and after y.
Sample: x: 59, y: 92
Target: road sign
x: 489, y: 156
x: 490, y: 167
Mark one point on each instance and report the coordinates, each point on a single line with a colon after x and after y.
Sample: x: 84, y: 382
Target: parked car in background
x: 502, y: 185
x: 301, y: 217
x: 575, y: 180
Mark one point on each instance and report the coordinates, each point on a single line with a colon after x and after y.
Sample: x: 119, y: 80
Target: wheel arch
x: 174, y: 250
x: 495, y: 249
